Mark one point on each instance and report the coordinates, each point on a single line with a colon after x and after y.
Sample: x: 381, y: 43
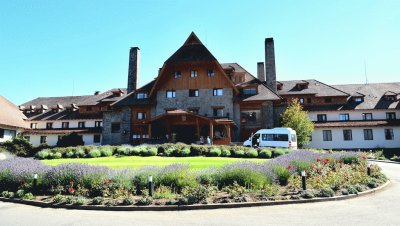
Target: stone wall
x: 267, y: 112
x: 205, y: 102
x: 122, y: 116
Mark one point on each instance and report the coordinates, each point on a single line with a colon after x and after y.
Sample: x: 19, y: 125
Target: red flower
x: 326, y: 161
x: 71, y: 190
x: 318, y: 160
x: 290, y: 167
x: 107, y: 182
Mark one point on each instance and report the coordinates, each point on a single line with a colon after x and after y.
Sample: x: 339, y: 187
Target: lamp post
x: 369, y: 169
x: 150, y: 178
x: 303, y: 180
x: 35, y: 182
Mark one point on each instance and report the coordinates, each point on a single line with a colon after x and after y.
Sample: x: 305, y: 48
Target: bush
x: 301, y: 166
x: 128, y: 200
x: 20, y: 193
x: 145, y: 201
x: 98, y: 200
x: 28, y: 196
x: 251, y: 153
x: 106, y: 151
x: 80, y: 201
x: 225, y: 152
x: 149, y: 151
x: 58, y: 198
x: 19, y: 147
x: 79, y: 153
x: 10, y: 195
x: 197, y: 194
x: 326, y: 192
x: 307, y: 194
x: 43, y: 154
x: 183, y: 152
x: 351, y: 159
x: 199, y: 150
x: 216, y: 152
x: 95, y: 153
x: 282, y: 174
x: 70, y: 140
x: 54, y: 155
x: 69, y: 154
x: 177, y: 177
x: 265, y: 153
x: 351, y: 189
x: 4, y: 194
x: 278, y: 152
x: 242, y: 176
x: 238, y: 152
x: 373, y: 183
x: 69, y: 200
x: 164, y: 192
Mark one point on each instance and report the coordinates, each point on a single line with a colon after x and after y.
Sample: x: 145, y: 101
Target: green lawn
x: 137, y: 161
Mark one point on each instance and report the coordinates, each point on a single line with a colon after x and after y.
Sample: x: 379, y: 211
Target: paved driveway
x: 382, y: 208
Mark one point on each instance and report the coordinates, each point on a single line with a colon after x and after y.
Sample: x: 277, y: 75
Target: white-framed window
x: 141, y: 115
x: 96, y: 138
x: 170, y: 94
x: 389, y: 134
x: 218, y: 92
x: 65, y: 125
x: 193, y: 73
x: 98, y: 123
x: 218, y: 112
x: 321, y: 118
x: 347, y: 134
x: 193, y: 92
x: 368, y: 134
x: 327, y: 135
x: 390, y: 115
x: 344, y: 117
x: 43, y: 139
x: 177, y: 74
x: 141, y: 95
x: 49, y: 125
x: 33, y: 125
x: 81, y: 124
x: 210, y: 73
x: 367, y: 116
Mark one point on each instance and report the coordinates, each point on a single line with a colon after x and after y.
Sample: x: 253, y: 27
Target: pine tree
x: 296, y: 118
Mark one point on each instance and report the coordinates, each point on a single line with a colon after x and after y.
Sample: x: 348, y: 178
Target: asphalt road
x: 382, y: 208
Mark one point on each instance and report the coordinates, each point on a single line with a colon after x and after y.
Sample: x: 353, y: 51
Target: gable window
x: 49, y: 125
x: 389, y: 134
x: 390, y: 115
x: 81, y: 124
x: 115, y: 127
x: 367, y: 116
x: 96, y: 138
x: 218, y: 112
x: 328, y: 100
x: 368, y: 135
x: 358, y: 99
x: 344, y: 117
x: 177, y: 74
x: 347, y: 134
x: 141, y: 115
x: 193, y: 73
x: 210, y: 73
x: 321, y: 118
x: 33, y: 125
x: 65, y: 125
x: 98, y: 123
x: 43, y: 139
x: 327, y: 135
x: 218, y: 92
x: 193, y: 92
x: 249, y: 91
x: 171, y: 94
x: 141, y: 95
x: 301, y: 100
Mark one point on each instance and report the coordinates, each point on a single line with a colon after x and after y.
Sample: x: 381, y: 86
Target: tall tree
x: 296, y: 118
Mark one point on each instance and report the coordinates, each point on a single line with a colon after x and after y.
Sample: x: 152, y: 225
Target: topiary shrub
x: 238, y: 152
x: 70, y: 140
x: 225, y: 152
x: 69, y: 154
x: 149, y: 151
x: 278, y: 152
x: 79, y: 153
x: 106, y: 151
x: 265, y: 153
x: 199, y: 150
x: 215, y: 152
x: 251, y: 153
x: 95, y: 153
x: 79, y: 201
x: 181, y: 151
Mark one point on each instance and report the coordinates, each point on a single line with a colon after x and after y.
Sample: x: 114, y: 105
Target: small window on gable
x: 141, y: 95
x: 210, y: 73
x: 249, y: 91
x: 358, y: 99
x: 193, y: 73
x: 177, y: 74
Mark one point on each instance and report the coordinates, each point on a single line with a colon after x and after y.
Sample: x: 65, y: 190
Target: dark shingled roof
x: 10, y: 115
x: 314, y: 87
x: 62, y: 115
x: 130, y: 99
x: 238, y: 68
x: 264, y: 93
x: 51, y: 102
x: 373, y: 95
x: 63, y: 131
x: 357, y: 123
x: 107, y: 96
x: 192, y: 50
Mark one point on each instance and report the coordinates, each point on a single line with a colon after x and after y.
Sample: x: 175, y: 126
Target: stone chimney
x: 270, y: 73
x: 133, y: 72
x: 260, y: 71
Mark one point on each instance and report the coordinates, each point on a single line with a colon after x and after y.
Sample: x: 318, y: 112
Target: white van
x: 276, y: 137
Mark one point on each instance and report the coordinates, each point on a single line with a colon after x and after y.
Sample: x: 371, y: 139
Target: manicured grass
x: 137, y: 161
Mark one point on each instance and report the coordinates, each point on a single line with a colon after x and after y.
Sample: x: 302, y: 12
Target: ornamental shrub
x: 28, y: 196
x: 128, y: 200
x: 177, y: 176
x: 251, y: 153
x: 282, y: 174
x: 69, y: 154
x: 106, y: 151
x: 95, y: 153
x: 145, y: 201
x: 238, y: 152
x: 43, y: 154
x: 19, y: 147
x: 301, y: 166
x: 197, y: 194
x: 199, y: 150
x: 307, y: 194
x: 182, y: 151
x: 58, y: 198
x: 215, y: 152
x: 79, y: 201
x: 69, y: 140
x: 225, y: 151
x: 79, y: 153
x: 169, y: 151
x: 69, y: 200
x: 10, y: 195
x: 265, y: 153
x: 350, y: 159
x: 373, y: 183
x: 326, y: 192
x: 245, y: 177
x: 98, y: 200
x: 149, y: 151
x: 20, y: 193
x: 278, y: 152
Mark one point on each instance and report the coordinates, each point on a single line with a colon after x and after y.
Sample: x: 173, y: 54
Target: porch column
x: 228, y: 131
x: 149, y: 130
x: 197, y: 129
x: 211, y: 132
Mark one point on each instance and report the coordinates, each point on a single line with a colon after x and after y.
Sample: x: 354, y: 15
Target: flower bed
x: 328, y: 174
x: 168, y: 150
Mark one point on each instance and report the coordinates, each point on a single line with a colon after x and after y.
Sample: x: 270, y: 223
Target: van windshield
x: 294, y: 138
x: 275, y: 137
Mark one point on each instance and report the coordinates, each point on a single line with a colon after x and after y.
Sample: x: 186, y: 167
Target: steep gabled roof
x: 314, y: 87
x: 131, y: 100
x: 10, y: 115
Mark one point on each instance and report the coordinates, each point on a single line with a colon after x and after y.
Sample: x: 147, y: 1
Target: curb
x: 384, y: 161
x: 194, y: 207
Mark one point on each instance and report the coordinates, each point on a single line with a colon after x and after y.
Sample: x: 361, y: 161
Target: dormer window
x: 390, y: 98
x: 210, y: 73
x: 177, y: 74
x: 249, y: 91
x: 141, y: 95
x: 358, y: 99
x: 301, y: 86
x: 279, y: 86
x: 193, y: 73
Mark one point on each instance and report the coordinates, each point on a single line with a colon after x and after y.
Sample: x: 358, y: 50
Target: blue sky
x: 61, y: 48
